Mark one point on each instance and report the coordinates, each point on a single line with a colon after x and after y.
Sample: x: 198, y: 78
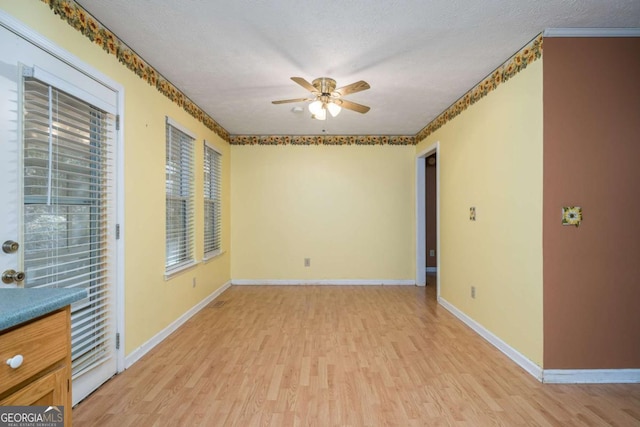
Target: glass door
x: 59, y: 195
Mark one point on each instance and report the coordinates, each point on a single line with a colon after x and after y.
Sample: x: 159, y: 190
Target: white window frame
x: 212, y: 196
x: 182, y: 192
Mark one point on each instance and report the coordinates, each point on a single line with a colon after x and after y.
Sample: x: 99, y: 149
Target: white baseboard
x: 137, y: 354
x: 505, y: 348
x: 550, y: 376
x: 432, y: 269
x: 343, y: 282
x: 591, y: 376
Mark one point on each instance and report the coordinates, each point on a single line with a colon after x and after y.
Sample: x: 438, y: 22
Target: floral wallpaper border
x: 531, y: 52
x: 518, y: 62
x: 81, y: 20
x: 322, y: 140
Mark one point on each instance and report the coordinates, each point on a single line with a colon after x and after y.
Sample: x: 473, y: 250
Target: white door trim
x: 38, y: 40
x: 421, y: 216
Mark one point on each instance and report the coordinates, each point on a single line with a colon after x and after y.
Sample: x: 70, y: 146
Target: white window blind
x: 179, y: 198
x: 212, y: 218
x: 68, y: 210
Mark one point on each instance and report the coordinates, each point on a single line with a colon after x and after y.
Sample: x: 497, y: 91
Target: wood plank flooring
x: 340, y: 356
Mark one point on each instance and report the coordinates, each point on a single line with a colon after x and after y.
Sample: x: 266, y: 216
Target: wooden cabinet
x: 48, y: 390
x: 44, y: 377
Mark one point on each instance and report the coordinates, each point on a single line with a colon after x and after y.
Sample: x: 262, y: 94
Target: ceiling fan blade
x: 352, y: 105
x: 284, y: 101
x: 353, y: 88
x: 305, y: 84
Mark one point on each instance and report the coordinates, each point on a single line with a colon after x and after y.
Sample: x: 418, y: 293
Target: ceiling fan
x: 328, y: 98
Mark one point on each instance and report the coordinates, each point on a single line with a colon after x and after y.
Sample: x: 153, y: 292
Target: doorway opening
x: 431, y: 264
x: 427, y: 217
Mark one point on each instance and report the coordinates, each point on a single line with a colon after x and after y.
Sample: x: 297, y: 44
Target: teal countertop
x: 21, y: 305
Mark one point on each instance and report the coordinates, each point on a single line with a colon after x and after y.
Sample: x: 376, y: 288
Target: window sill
x: 179, y: 270
x: 212, y: 256
x: 170, y: 274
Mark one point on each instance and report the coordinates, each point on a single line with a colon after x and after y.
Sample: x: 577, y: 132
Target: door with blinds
x: 60, y: 201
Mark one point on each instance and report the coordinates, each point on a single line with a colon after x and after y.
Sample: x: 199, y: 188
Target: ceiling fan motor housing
x: 325, y: 85
x: 327, y: 97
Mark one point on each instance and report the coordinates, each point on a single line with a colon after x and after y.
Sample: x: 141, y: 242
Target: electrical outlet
x: 194, y: 282
x: 472, y: 213
x: 473, y: 291
x: 432, y: 252
x: 307, y: 262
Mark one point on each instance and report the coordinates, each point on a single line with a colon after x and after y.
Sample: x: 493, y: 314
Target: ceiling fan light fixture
x: 334, y: 109
x: 327, y: 97
x: 316, y: 107
x: 320, y: 115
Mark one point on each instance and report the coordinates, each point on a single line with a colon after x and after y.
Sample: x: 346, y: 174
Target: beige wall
x: 151, y: 303
x: 491, y: 158
x: 351, y: 209
x: 591, y: 153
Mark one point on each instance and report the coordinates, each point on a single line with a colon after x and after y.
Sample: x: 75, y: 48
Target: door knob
x: 10, y: 247
x: 10, y: 276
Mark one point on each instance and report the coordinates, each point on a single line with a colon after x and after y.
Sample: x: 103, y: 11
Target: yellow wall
x: 151, y: 303
x: 350, y: 209
x: 491, y: 158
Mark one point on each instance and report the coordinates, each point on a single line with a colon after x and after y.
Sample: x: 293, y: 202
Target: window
x: 212, y: 220
x: 179, y: 198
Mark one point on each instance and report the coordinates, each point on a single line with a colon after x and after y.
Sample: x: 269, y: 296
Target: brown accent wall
x: 592, y: 159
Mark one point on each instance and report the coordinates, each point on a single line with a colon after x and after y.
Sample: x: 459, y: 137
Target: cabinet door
x: 49, y: 390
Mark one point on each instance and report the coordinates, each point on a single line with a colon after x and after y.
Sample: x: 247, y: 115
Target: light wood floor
x: 340, y: 356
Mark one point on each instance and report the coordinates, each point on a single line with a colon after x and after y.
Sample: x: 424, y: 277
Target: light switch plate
x: 571, y: 215
x: 472, y: 213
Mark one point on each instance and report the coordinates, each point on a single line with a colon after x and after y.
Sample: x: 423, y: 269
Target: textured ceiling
x: 233, y: 58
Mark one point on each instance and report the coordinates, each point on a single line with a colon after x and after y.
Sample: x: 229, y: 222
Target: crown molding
x: 591, y: 32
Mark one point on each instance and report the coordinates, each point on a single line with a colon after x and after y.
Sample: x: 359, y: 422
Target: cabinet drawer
x: 41, y: 343
x: 49, y: 390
